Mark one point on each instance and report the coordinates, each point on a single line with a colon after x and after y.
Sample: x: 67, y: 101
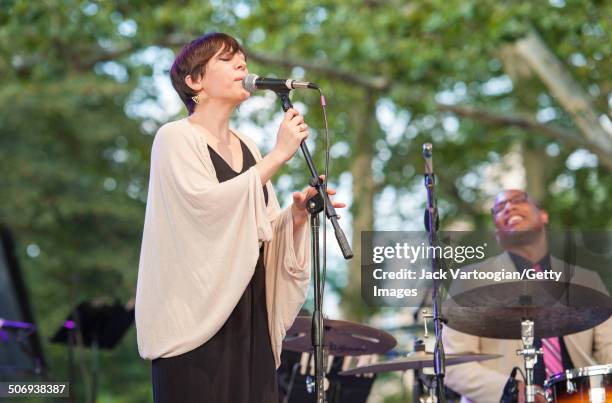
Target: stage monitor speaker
x: 21, y: 355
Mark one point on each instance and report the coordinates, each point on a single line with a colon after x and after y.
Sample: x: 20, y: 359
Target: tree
x: 79, y: 104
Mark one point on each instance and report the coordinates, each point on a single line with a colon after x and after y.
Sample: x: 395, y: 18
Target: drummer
x: 484, y: 382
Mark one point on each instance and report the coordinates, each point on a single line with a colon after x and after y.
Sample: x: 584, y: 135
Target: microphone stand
x: 315, y: 206
x: 431, y: 225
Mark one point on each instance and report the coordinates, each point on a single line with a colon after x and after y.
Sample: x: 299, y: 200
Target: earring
x: 196, y: 98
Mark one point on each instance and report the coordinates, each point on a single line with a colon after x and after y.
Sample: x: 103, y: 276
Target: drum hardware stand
x: 570, y: 387
x: 432, y: 224
x: 530, y: 356
x: 310, y: 382
x: 294, y: 371
x: 426, y: 315
x: 429, y: 382
x: 419, y: 345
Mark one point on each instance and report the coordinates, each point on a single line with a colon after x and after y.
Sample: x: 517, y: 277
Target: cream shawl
x: 200, y: 246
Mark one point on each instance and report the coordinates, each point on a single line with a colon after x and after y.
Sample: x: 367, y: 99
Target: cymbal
x: 418, y: 360
x: 341, y: 338
x: 413, y: 328
x: 557, y: 309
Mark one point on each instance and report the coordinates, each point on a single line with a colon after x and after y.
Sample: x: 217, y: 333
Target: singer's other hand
x: 298, y: 208
x: 291, y: 133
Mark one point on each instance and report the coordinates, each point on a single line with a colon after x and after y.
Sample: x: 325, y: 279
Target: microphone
x: 427, y: 155
x: 429, y: 184
x: 252, y: 83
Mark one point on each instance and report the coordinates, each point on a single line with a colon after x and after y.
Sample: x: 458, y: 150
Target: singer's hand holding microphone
x: 292, y: 130
x: 291, y: 133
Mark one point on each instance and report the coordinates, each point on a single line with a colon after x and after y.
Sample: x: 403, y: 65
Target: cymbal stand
x: 530, y: 356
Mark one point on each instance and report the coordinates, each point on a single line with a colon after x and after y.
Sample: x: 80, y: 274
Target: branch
x: 472, y: 209
x: 553, y: 132
x: 107, y: 56
x: 170, y: 41
x: 377, y: 83
x: 562, y: 85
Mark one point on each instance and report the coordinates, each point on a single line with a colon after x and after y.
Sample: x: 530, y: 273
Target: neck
x: 214, y: 117
x: 534, y: 251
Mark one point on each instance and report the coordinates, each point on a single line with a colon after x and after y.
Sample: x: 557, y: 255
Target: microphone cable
x: 323, y: 103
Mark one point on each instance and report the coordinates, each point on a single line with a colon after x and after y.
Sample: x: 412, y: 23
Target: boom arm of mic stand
x: 318, y: 184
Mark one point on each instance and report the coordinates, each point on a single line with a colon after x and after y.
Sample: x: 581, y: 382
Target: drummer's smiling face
x: 515, y: 210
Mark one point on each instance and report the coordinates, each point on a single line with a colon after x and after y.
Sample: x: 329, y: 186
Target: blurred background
x: 511, y: 94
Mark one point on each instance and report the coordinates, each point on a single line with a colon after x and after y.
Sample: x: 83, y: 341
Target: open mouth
x: 514, y: 219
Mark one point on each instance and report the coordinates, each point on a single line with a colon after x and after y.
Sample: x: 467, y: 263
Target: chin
x: 519, y: 236
x: 236, y: 100
x: 243, y: 96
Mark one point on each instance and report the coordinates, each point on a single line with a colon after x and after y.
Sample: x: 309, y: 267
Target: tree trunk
x: 534, y: 159
x: 362, y: 209
x: 566, y: 90
x: 535, y: 171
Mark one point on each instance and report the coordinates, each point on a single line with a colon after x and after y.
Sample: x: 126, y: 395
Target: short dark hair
x: 194, y: 57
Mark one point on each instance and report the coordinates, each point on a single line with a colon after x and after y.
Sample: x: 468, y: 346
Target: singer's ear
x: 544, y: 216
x: 194, y: 84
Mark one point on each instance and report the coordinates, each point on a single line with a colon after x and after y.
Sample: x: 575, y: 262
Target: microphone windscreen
x: 248, y: 82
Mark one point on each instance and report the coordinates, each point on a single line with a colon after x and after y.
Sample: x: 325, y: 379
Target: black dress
x: 236, y: 365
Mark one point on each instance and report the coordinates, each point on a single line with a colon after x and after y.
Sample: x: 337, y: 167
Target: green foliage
x: 75, y: 164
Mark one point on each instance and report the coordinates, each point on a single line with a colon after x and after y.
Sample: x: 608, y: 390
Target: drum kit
x: 591, y: 384
x: 519, y: 311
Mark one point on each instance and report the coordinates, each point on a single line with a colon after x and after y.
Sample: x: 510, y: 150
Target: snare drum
x: 581, y: 385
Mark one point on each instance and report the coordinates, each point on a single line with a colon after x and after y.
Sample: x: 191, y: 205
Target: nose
x: 509, y: 207
x: 512, y: 207
x: 241, y: 64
